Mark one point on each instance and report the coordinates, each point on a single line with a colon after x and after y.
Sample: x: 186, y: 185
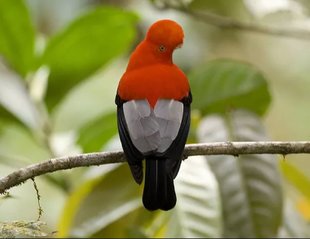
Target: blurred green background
x: 60, y: 63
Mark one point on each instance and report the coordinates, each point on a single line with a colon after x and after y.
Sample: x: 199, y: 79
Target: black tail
x: 158, y: 185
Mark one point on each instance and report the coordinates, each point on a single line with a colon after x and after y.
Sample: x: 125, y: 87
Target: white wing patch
x: 153, y: 130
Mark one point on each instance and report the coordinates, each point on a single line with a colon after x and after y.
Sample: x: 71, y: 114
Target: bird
x: 153, y: 102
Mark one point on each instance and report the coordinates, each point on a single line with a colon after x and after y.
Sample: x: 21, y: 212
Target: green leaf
x: 94, y: 96
x: 18, y: 147
x: 197, y: 213
x: 96, y: 133
x: 296, y: 178
x: 250, y: 185
x: 84, y: 46
x: 15, y: 103
x: 16, y: 36
x: 128, y: 226
x: 100, y: 202
x: 198, y: 210
x: 7, y: 117
x: 226, y: 84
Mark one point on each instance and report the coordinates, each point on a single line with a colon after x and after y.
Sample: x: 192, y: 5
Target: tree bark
x: 91, y: 159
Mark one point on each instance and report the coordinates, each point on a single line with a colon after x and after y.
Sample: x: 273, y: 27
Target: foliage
x: 17, y: 36
x: 240, y: 196
x: 251, y: 182
x: 81, y: 57
x: 219, y: 77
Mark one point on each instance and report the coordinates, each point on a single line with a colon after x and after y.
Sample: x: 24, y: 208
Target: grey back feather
x: 153, y: 130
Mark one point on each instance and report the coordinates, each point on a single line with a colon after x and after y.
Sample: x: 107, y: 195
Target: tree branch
x: 229, y: 23
x: 91, y: 159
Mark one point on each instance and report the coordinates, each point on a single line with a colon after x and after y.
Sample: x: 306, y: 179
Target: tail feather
x: 159, y: 190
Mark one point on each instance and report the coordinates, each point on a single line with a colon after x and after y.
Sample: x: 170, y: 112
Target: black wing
x: 133, y: 156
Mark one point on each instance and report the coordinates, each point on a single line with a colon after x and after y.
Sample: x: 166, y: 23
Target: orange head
x: 150, y: 73
x: 166, y: 33
x: 161, y: 40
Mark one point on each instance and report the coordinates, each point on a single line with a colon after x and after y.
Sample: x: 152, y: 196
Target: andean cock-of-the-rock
x: 153, y: 111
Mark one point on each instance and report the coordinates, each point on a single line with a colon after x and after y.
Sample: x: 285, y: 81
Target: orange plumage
x: 151, y: 73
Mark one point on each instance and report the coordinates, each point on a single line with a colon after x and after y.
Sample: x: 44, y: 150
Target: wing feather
x: 174, y: 154
x: 169, y: 115
x: 133, y: 156
x: 142, y: 125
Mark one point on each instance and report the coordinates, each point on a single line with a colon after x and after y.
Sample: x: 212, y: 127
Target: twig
x: 91, y: 159
x: 40, y: 210
x: 229, y: 23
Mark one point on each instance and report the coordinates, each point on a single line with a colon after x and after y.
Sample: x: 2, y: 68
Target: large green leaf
x: 85, y: 46
x: 111, y: 206
x: 18, y: 147
x: 131, y: 225
x: 90, y: 99
x: 16, y: 36
x: 222, y: 85
x: 7, y: 117
x: 198, y: 210
x: 100, y: 202
x: 15, y: 103
x: 197, y: 213
x: 250, y: 185
x: 296, y: 178
x: 95, y: 134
